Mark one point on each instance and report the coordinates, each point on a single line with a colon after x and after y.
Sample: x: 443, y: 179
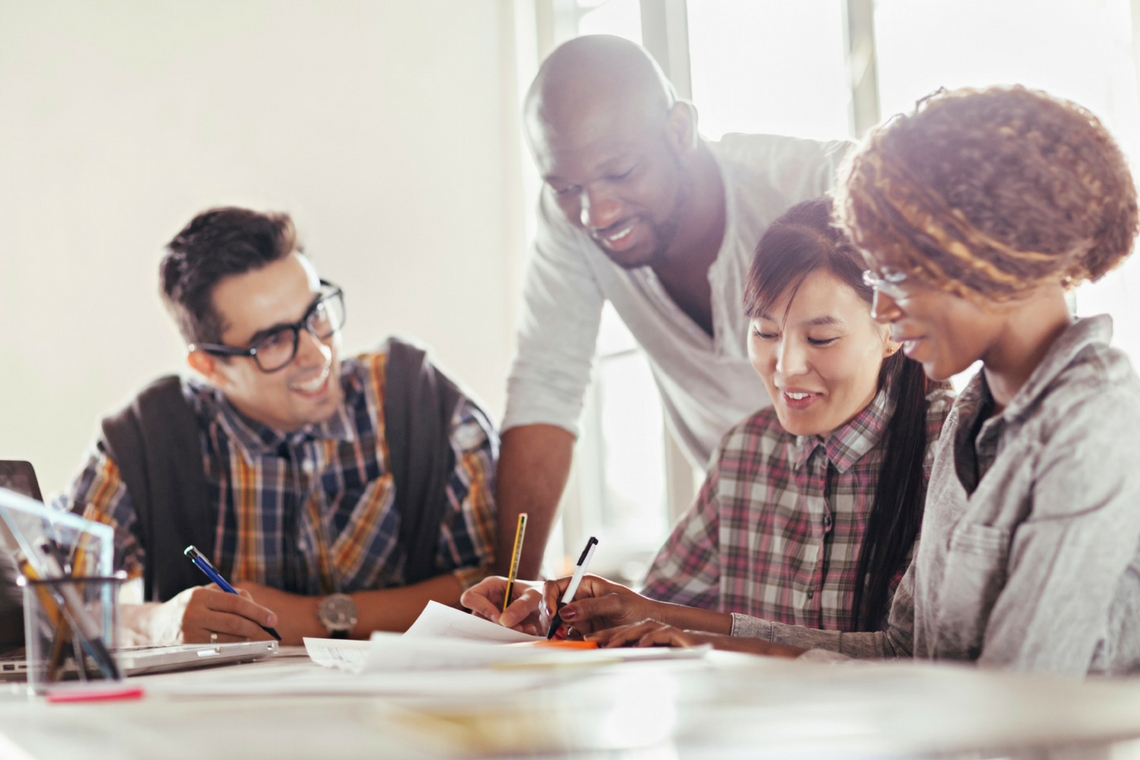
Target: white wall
x: 388, y: 128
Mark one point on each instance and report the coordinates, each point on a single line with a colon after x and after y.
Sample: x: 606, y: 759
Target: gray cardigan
x: 1030, y: 550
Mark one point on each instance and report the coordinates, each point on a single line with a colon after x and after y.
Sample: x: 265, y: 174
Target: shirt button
x: 827, y: 522
x: 810, y: 593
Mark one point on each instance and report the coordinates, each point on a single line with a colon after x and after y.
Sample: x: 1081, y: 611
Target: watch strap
x: 337, y: 623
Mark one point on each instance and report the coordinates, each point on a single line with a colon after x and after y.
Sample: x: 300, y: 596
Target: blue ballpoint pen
x: 204, y: 565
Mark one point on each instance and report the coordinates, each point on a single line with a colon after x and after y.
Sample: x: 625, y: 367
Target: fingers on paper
x: 522, y: 608
x: 485, y: 598
x: 647, y: 633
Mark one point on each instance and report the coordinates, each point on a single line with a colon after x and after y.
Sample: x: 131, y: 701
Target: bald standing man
x: 639, y: 210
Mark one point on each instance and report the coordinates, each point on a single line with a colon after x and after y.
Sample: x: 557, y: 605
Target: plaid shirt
x: 312, y: 512
x: 776, y: 530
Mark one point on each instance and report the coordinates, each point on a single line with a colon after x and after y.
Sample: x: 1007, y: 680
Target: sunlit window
x: 1076, y: 49
x: 621, y: 455
x: 769, y: 67
x: 621, y: 18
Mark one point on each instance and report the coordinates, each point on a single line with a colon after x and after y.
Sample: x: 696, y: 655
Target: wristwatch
x: 337, y: 613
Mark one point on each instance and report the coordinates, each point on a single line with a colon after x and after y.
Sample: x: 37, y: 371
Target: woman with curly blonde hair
x: 976, y: 214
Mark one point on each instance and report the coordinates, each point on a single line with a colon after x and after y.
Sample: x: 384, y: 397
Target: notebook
x: 20, y: 476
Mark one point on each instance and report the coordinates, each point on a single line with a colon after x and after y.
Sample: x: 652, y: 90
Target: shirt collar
x: 1076, y: 337
x: 975, y: 440
x: 258, y: 439
x: 849, y: 442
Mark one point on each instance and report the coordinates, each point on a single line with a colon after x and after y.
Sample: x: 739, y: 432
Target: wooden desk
x: 726, y: 705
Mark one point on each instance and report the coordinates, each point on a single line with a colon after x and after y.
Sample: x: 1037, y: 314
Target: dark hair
x: 216, y: 244
x: 991, y: 193
x: 803, y: 241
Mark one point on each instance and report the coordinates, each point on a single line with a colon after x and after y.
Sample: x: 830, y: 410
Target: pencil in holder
x: 71, y: 629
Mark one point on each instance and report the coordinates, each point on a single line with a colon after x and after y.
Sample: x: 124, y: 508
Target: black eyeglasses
x: 274, y: 349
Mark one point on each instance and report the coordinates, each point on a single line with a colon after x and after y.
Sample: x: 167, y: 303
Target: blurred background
x: 390, y: 131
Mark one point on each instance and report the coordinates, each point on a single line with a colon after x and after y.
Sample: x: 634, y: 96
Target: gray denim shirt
x: 1030, y: 550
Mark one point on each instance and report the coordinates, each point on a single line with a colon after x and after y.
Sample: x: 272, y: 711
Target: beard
x: 665, y: 233
x: 662, y: 234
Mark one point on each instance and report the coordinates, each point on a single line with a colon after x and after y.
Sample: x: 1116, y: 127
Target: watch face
x: 338, y: 612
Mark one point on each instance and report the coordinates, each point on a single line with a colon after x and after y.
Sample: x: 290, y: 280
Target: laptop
x: 20, y: 476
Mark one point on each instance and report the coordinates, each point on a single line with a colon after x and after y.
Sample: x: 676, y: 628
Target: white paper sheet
x: 393, y: 652
x: 388, y: 652
x: 443, y: 638
x: 440, y: 621
x: 342, y: 654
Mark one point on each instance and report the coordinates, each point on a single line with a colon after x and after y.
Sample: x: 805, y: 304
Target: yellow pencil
x: 62, y: 634
x: 44, y: 594
x: 520, y: 531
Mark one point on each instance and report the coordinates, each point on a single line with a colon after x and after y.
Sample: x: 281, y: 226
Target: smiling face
x: 307, y: 390
x: 943, y: 332
x: 820, y: 355
x: 616, y: 173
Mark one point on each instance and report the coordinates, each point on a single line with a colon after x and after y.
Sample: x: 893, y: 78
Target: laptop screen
x: 20, y: 477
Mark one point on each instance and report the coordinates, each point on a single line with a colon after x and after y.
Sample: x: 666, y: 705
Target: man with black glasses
x: 337, y: 496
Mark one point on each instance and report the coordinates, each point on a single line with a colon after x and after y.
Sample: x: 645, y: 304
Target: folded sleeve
x: 558, y: 327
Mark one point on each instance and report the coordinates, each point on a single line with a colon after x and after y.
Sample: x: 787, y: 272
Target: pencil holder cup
x: 71, y: 630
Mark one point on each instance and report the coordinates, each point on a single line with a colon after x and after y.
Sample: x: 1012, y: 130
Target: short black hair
x: 216, y: 244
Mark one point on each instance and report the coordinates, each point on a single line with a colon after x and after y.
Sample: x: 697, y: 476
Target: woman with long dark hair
x: 811, y: 507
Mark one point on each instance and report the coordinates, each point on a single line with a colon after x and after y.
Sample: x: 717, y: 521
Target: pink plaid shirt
x: 776, y: 530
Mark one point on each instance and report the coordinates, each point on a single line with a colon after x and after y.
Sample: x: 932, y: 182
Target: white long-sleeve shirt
x: 707, y: 383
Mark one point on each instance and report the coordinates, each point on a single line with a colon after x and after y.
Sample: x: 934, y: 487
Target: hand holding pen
x: 204, y: 565
x: 572, y: 586
x: 600, y: 604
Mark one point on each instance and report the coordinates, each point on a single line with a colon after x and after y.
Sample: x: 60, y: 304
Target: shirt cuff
x: 538, y: 401
x: 750, y: 627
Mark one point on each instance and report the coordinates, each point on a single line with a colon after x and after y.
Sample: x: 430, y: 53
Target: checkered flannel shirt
x: 776, y: 530
x: 313, y: 512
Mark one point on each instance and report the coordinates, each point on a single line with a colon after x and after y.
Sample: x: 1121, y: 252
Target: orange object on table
x: 564, y: 644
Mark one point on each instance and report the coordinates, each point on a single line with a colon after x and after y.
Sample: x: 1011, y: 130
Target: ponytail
x: 896, y: 514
